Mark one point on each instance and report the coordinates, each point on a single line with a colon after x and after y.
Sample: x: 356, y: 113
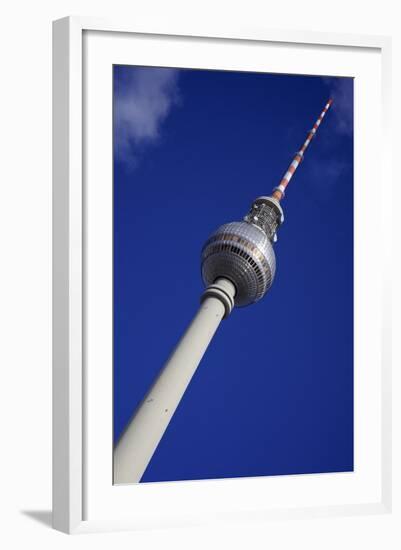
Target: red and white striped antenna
x: 279, y: 191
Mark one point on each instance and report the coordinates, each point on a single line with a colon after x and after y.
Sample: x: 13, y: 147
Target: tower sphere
x: 242, y: 253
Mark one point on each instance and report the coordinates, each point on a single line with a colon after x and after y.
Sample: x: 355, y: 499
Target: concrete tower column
x: 139, y: 441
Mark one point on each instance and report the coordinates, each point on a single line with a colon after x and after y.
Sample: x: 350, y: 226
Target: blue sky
x: 274, y: 393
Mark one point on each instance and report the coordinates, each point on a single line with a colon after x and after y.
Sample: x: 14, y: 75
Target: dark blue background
x: 274, y: 393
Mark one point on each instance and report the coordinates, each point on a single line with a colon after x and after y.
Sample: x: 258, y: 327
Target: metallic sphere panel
x: 242, y: 253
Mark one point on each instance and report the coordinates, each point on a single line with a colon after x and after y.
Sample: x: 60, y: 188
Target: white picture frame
x: 75, y: 481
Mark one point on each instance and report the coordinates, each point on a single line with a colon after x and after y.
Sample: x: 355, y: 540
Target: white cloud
x: 342, y: 111
x: 142, y: 101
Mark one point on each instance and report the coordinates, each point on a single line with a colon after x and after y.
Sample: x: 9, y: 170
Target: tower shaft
x: 279, y: 191
x: 139, y: 441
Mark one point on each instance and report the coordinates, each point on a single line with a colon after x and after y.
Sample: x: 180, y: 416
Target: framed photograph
x: 221, y: 297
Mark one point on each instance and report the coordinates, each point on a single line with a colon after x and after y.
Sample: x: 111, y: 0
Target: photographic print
x: 232, y: 274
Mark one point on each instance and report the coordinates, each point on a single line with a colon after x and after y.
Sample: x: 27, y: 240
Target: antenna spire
x: 279, y: 191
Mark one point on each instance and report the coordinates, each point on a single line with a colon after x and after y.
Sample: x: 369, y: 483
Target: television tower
x: 238, y: 267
